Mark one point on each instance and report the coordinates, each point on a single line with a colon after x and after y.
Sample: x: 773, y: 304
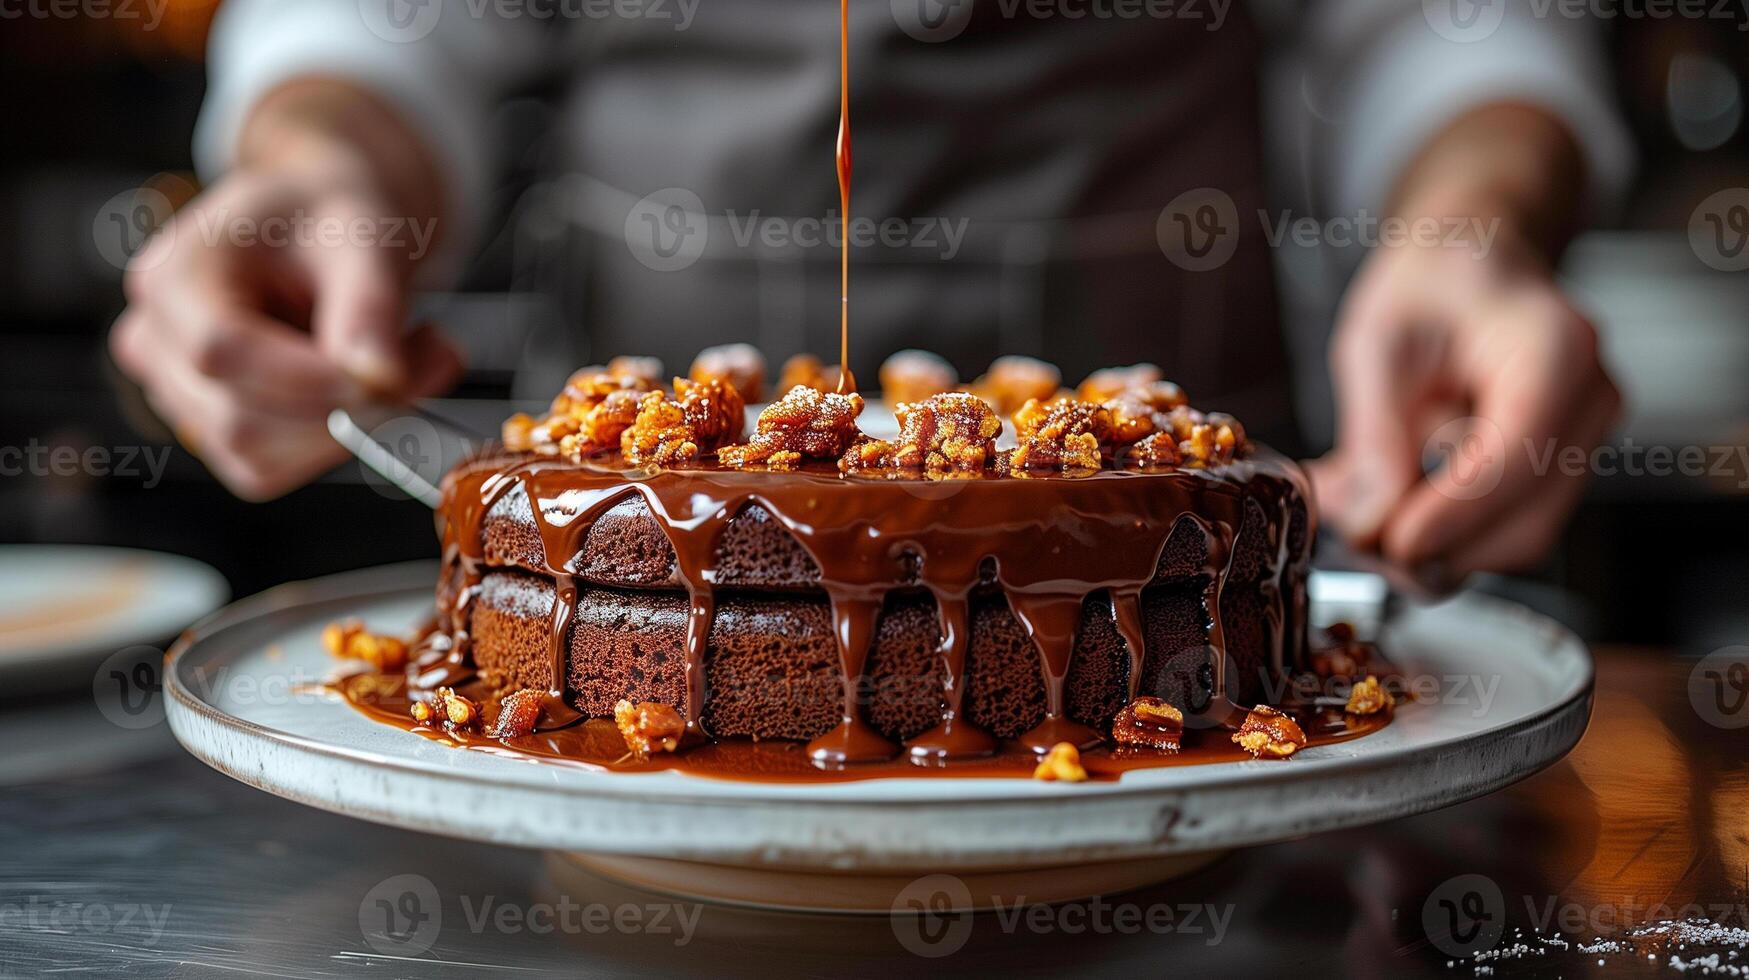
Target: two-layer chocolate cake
x: 933, y: 597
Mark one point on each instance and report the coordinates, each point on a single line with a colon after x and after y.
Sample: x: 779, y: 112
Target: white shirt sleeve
x: 441, y: 67
x: 1398, y: 71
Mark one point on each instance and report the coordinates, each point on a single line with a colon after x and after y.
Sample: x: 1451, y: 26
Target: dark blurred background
x: 95, y: 108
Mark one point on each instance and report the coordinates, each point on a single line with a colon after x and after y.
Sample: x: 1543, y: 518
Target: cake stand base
x: 884, y: 894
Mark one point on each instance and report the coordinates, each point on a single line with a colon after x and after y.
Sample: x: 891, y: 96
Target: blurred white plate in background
x: 63, y: 608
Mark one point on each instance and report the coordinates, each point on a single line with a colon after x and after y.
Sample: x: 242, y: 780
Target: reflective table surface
x: 121, y: 855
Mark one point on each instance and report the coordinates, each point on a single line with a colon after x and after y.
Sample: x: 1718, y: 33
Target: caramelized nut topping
x: 458, y: 712
x: 807, y: 371
x: 591, y: 384
x: 649, y: 727
x: 349, y: 640
x: 1107, y: 383
x: 659, y: 436
x: 1368, y: 697
x: 518, y: 712
x: 913, y: 375
x: 1012, y: 381
x: 947, y: 431
x: 803, y: 424
x: 1064, y: 434
x: 714, y: 408
x: 1159, y: 449
x: 423, y: 712
x: 740, y: 366
x: 1062, y: 764
x: 1268, y: 732
x: 518, y: 433
x: 1150, y: 722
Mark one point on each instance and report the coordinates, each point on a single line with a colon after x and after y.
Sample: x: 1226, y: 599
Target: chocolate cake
x: 867, y: 607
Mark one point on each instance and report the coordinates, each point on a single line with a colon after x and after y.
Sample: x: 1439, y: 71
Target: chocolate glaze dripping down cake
x: 873, y: 616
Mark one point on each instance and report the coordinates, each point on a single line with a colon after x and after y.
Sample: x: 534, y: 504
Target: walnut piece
x: 667, y: 430
x: 804, y: 424
x: 1368, y: 697
x: 1268, y: 732
x: 1012, y: 381
x: 1149, y: 722
x: 1064, y: 434
x: 1062, y: 764
x: 597, y: 404
x: 518, y: 712
x: 349, y: 640
x: 659, y: 436
x: 807, y: 371
x: 952, y: 430
x: 740, y: 366
x: 913, y: 375
x: 648, y: 727
x: 1107, y: 383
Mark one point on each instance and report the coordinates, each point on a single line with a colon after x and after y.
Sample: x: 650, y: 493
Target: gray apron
x: 1027, y: 163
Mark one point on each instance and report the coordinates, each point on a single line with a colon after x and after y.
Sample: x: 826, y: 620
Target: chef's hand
x: 1473, y: 354
x: 244, y: 347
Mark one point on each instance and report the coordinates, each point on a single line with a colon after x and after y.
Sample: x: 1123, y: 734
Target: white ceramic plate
x: 1514, y: 695
x: 63, y: 608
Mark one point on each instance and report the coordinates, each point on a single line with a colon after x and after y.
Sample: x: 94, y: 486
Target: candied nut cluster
x: 598, y: 404
x: 518, y: 712
x: 1060, y: 435
x: 1012, y: 381
x: 951, y: 430
x: 648, y: 727
x: 807, y: 371
x: 446, y: 708
x: 1267, y: 732
x: 701, y: 415
x: 1346, y: 658
x: 1368, y: 697
x: 740, y: 366
x: 349, y: 640
x: 1149, y: 722
x: 913, y: 375
x: 1107, y: 383
x: 804, y: 424
x: 1127, y: 414
x: 1062, y: 764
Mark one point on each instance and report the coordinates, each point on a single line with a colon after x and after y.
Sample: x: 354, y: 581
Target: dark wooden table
x: 121, y: 855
